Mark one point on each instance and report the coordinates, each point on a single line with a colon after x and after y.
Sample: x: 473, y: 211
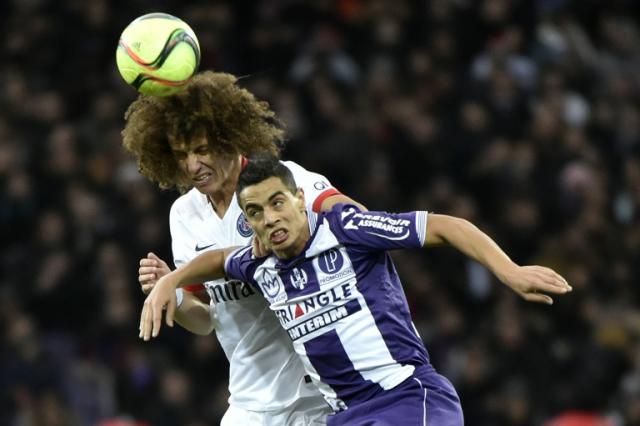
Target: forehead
x: 260, y: 193
x: 184, y: 144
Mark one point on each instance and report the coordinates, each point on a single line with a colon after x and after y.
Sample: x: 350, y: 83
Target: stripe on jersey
x: 424, y: 402
x: 421, y: 226
x: 368, y: 349
x: 329, y: 358
x: 390, y: 311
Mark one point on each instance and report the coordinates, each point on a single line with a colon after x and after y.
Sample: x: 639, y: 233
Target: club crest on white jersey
x: 242, y: 225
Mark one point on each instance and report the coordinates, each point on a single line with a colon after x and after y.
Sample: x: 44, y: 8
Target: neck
x: 221, y: 199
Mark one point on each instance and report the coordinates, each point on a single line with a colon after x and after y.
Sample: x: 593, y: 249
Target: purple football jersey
x: 342, y: 303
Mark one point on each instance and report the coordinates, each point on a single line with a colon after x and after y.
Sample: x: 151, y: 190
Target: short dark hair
x: 262, y: 167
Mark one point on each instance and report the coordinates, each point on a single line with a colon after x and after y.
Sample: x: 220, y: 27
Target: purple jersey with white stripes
x: 342, y: 303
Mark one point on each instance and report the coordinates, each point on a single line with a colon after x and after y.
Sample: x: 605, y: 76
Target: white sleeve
x: 315, y: 186
x: 181, y: 242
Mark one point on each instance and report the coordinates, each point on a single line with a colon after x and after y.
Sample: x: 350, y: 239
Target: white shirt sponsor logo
x: 382, y: 223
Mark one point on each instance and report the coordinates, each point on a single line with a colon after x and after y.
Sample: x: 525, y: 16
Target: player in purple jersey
x: 333, y: 286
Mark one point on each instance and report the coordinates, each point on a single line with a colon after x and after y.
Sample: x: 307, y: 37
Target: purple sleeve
x: 238, y: 264
x: 378, y: 231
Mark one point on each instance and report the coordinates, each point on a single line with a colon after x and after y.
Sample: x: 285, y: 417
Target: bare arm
x: 530, y: 282
x: 205, y: 267
x: 192, y: 314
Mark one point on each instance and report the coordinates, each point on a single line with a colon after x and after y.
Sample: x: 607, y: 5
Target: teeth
x: 202, y: 178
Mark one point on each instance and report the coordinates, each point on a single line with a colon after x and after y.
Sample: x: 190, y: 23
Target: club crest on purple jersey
x: 298, y: 278
x: 270, y: 283
x: 243, y: 226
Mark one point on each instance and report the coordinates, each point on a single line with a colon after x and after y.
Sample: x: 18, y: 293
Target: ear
x: 301, y: 201
x: 240, y: 200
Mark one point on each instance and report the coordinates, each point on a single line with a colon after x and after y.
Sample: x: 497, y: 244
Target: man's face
x: 277, y: 216
x: 208, y: 171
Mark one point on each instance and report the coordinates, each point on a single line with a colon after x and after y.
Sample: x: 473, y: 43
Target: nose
x: 270, y: 218
x: 192, y: 163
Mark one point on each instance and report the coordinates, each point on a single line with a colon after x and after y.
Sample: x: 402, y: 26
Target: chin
x: 284, y: 252
x: 208, y: 189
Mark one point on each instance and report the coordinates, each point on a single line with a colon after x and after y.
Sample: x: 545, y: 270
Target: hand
x: 531, y: 282
x: 258, y: 249
x: 152, y: 268
x: 162, y: 295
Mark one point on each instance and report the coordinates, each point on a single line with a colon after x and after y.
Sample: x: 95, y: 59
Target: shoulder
x: 300, y: 172
x: 293, y: 166
x: 188, y: 204
x: 296, y: 169
x: 314, y: 184
x: 342, y: 212
x: 338, y: 218
x: 240, y: 263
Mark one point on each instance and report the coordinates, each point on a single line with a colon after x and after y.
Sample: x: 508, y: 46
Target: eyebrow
x: 254, y: 205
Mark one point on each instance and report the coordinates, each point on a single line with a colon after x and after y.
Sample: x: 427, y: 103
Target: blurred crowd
x: 521, y: 116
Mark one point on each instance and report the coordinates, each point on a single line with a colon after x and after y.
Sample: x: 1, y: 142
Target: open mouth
x: 202, y: 179
x: 278, y: 236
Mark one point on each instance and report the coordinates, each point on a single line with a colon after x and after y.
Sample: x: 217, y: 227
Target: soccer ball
x: 157, y: 54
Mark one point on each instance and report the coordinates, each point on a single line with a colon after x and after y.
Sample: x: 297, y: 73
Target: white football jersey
x: 265, y: 374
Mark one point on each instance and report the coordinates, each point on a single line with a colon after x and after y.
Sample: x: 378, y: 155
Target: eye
x: 179, y: 155
x: 252, y: 214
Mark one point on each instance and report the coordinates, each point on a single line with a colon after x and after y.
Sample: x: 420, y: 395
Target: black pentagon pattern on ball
x: 178, y: 35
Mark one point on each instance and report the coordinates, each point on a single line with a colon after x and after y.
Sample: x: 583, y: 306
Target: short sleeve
x: 180, y: 244
x: 179, y: 238
x: 238, y: 264
x: 378, y: 230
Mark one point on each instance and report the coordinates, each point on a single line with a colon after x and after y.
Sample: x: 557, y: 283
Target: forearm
x: 205, y: 267
x: 471, y: 241
x: 194, y: 315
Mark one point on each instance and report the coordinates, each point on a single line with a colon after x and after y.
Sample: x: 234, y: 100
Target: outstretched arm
x: 193, y: 313
x: 207, y: 266
x: 530, y: 282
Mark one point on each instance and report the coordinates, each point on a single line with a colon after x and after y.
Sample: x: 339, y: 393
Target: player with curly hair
x: 197, y: 141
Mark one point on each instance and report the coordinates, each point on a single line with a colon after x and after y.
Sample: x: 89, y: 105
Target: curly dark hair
x: 212, y: 104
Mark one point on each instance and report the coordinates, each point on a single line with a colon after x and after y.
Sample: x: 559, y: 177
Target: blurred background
x: 521, y: 116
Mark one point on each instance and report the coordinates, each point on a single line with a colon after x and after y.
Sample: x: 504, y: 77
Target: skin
x: 271, y: 207
x: 277, y: 216
x: 216, y: 176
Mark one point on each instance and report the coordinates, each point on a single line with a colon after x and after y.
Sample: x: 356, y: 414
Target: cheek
x: 257, y: 229
x: 262, y: 236
x: 223, y: 165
